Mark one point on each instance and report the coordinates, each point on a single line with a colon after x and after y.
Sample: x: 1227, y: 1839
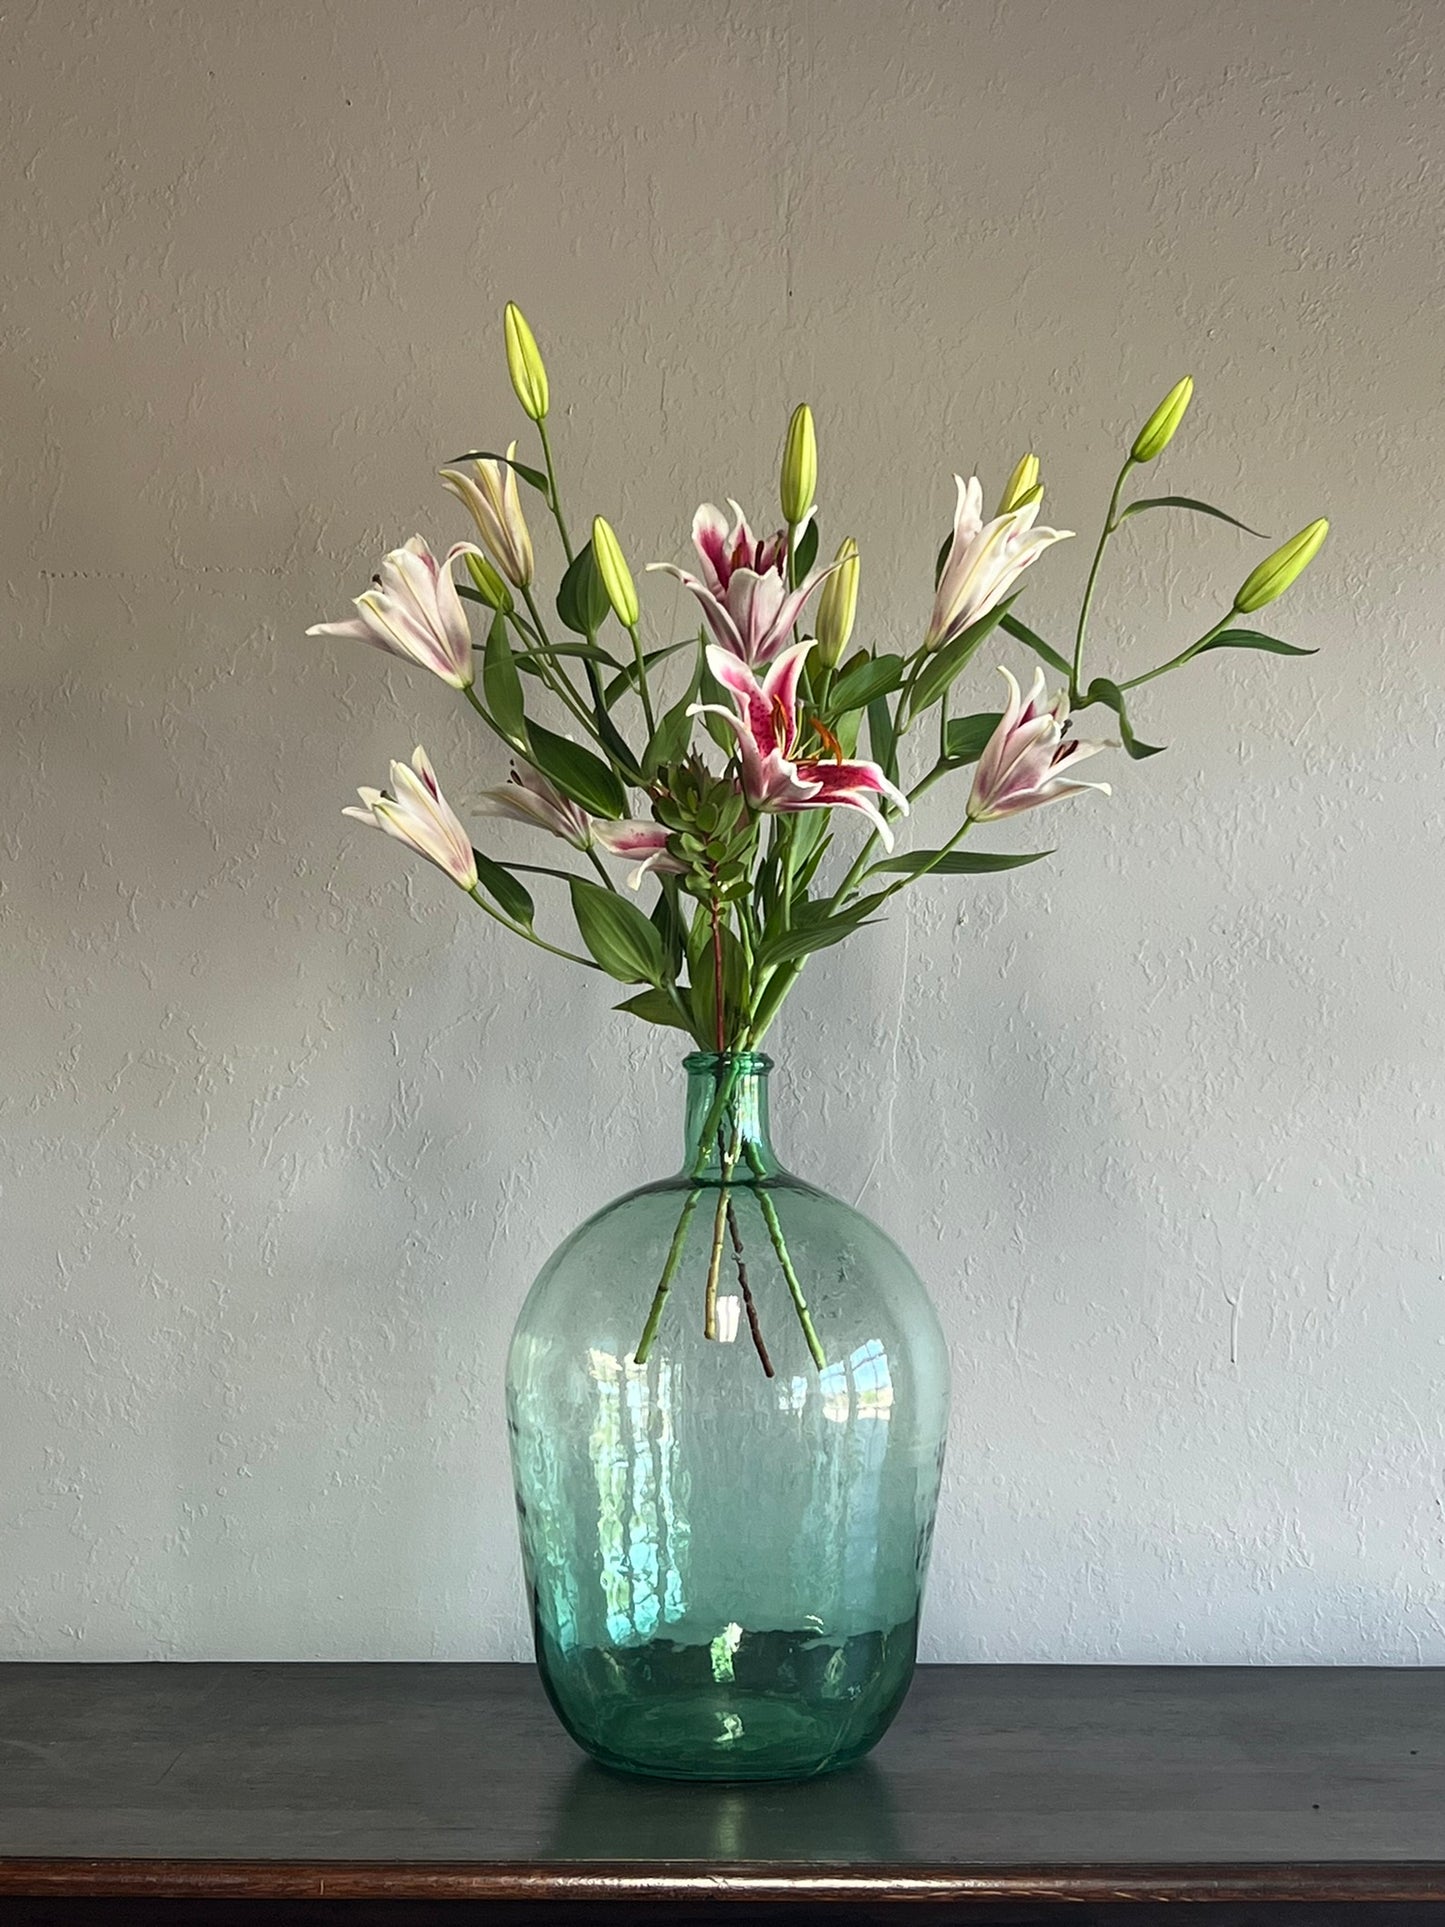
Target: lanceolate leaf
x: 582, y: 599
x: 859, y: 685
x: 656, y: 1007
x: 806, y: 553
x: 1021, y: 632
x: 945, y: 665
x: 532, y: 475
x: 1188, y: 502
x: 504, y: 890
x: 956, y: 863
x: 577, y: 773
x: 813, y: 929
x: 967, y: 736
x: 626, y: 677
x: 1252, y: 639
x: 617, y: 934
x: 1100, y: 690
x: 882, y: 739
x: 502, y: 686
x: 674, y: 731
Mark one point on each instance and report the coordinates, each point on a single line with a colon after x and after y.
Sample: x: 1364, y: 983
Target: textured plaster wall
x: 285, y: 1128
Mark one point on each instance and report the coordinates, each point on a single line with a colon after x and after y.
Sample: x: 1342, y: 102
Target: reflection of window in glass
x: 872, y: 1382
x: 729, y: 1312
x: 639, y: 1535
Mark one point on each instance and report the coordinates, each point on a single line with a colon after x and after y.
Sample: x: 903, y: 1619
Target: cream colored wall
x: 285, y: 1129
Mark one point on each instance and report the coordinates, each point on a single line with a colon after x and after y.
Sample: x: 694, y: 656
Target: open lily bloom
x: 530, y: 798
x: 744, y: 594
x: 492, y: 496
x: 1028, y: 757
x: 722, y: 550
x: 766, y: 724
x: 417, y: 814
x: 413, y: 611
x: 984, y: 561
x: 635, y: 838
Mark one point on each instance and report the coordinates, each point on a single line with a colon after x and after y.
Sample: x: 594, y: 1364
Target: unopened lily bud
x: 524, y: 363
x: 799, y: 481
x: 838, y: 605
x: 489, y: 584
x: 1157, y: 433
x: 1275, y: 574
x: 615, y: 574
x: 1022, y: 485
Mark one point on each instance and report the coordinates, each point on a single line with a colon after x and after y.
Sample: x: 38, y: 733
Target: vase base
x: 745, y: 1706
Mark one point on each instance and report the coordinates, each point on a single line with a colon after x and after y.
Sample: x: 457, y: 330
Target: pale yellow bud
x: 1157, y: 433
x: 615, y: 574
x: 799, y: 481
x: 1275, y: 574
x: 838, y: 605
x: 524, y: 363
x: 1022, y: 486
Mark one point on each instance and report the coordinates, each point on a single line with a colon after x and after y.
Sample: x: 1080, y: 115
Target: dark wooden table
x: 1008, y: 1793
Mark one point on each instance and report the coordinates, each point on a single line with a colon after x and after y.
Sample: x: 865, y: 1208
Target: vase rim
x: 751, y: 1062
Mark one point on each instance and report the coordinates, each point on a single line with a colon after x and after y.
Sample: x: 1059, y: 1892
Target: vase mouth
x: 752, y: 1063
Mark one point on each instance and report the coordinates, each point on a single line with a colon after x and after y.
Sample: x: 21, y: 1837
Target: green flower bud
x: 1157, y: 433
x: 489, y: 584
x: 838, y: 606
x: 616, y: 576
x: 799, y: 482
x: 1022, y: 487
x: 524, y: 363
x: 1275, y: 574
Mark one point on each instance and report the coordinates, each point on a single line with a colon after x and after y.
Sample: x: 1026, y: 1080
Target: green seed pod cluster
x: 711, y: 830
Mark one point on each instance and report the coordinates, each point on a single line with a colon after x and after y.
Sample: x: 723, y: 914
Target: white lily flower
x: 984, y: 561
x: 1030, y: 757
x: 530, y: 798
x: 413, y: 610
x: 417, y: 814
x: 496, y: 507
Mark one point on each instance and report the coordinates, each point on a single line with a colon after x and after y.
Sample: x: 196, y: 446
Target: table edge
x: 668, y: 1881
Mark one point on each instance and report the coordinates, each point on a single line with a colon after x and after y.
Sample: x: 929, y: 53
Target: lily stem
x: 780, y: 1246
x: 1111, y: 522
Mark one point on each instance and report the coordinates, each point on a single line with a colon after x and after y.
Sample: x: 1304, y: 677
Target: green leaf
x: 656, y: 1007
x: 1021, y: 632
x: 530, y: 659
x: 1188, y: 502
x: 967, y: 736
x: 942, y: 559
x: 504, y: 890
x: 865, y: 681
x: 532, y: 475
x: 674, y: 732
x: 945, y: 665
x: 502, y: 686
x: 616, y: 933
x: 806, y: 553
x: 1252, y: 639
x: 577, y: 773
x: 626, y: 678
x: 1101, y: 690
x: 956, y: 863
x: 882, y: 738
x: 582, y: 601
x: 813, y: 929
x: 702, y: 976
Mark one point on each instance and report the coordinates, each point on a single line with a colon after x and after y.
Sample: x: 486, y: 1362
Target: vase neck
x: 727, y: 1117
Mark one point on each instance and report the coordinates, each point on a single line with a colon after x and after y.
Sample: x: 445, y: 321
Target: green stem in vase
x: 780, y: 1247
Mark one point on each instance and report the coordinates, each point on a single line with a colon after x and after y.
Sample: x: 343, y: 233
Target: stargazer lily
x: 529, y: 797
x: 417, y: 814
x: 413, y: 610
x: 767, y: 726
x: 496, y: 507
x: 743, y: 591
x: 984, y: 561
x: 1027, y: 759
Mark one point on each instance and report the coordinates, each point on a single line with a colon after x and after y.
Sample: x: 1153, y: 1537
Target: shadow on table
x: 847, y: 1816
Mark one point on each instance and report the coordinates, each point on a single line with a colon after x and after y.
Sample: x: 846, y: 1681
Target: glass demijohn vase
x: 727, y: 1398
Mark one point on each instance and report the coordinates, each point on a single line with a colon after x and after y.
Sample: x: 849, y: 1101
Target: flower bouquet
x: 752, y: 779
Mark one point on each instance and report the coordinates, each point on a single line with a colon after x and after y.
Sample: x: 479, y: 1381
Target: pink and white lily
x: 529, y: 797
x: 417, y: 814
x: 1027, y: 759
x: 634, y: 838
x: 491, y: 494
x: 413, y: 610
x: 774, y: 777
x: 984, y: 561
x: 743, y: 590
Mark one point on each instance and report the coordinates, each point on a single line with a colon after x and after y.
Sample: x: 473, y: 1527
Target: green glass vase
x: 727, y: 1397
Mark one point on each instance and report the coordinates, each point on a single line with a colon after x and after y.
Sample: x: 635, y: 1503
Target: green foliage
x: 966, y: 737
x: 617, y: 934
x: 1101, y: 690
x: 954, y: 863
x: 510, y: 897
x: 502, y: 686
x: 577, y: 772
x: 942, y: 668
x: 582, y: 600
